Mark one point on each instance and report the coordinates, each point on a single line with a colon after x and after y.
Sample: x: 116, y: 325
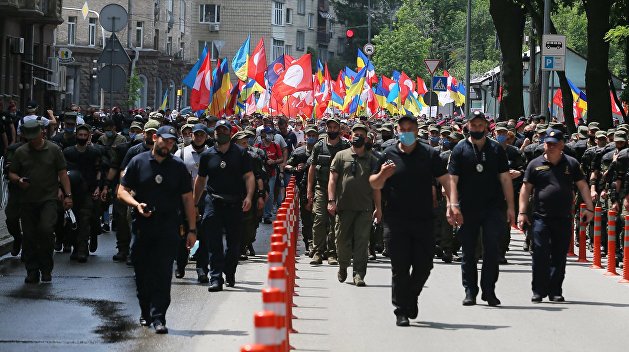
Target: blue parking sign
x: 549, y: 62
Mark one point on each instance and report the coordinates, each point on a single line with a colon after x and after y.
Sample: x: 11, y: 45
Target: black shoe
x: 469, y: 300
x: 17, y: 246
x: 159, y: 327
x: 342, y: 274
x: 46, y: 276
x: 414, y: 311
x: 82, y: 258
x: 74, y: 255
x: 402, y: 320
x: 252, y: 251
x: 105, y: 227
x: 243, y: 257
x: 144, y: 321
x: 180, y: 273
x: 385, y: 252
x: 129, y: 261
x: 491, y: 299
x: 559, y: 298
x: 32, y: 277
x: 503, y: 261
x: 93, y: 243
x: 215, y: 287
x: 58, y: 245
x: 447, y: 256
x: 537, y: 298
x: 267, y: 221
x: 202, y: 277
x: 120, y: 257
x: 230, y: 280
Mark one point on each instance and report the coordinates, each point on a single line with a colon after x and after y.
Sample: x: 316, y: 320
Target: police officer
x: 551, y: 178
x: 318, y: 175
x: 225, y: 173
x: 37, y: 168
x: 405, y: 175
x: 298, y: 165
x: 161, y: 185
x: 481, y: 182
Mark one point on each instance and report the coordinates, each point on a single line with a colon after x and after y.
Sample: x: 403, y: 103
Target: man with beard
x: 226, y: 174
x: 161, y: 188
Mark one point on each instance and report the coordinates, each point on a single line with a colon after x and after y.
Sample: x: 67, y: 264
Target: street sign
x: 85, y: 10
x: 112, y: 78
x: 431, y: 65
x: 65, y: 56
x: 553, y: 52
x: 114, y: 53
x: 440, y: 83
x: 369, y: 49
x: 113, y: 18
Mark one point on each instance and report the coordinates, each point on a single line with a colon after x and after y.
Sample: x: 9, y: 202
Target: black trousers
x: 411, y: 249
x: 38, y: 223
x: 201, y: 254
x: 153, y: 253
x: 491, y: 222
x: 551, y: 238
x: 222, y: 220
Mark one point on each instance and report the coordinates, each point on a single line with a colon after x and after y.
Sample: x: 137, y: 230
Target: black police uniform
x: 226, y: 190
x: 160, y: 185
x: 301, y: 156
x: 483, y: 206
x: 411, y: 240
x: 551, y: 224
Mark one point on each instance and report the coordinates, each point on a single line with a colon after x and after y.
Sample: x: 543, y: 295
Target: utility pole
x: 468, y: 58
x: 369, y: 24
x: 545, y: 74
x: 129, y: 25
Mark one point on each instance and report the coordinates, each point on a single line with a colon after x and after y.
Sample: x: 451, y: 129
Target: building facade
x: 26, y: 42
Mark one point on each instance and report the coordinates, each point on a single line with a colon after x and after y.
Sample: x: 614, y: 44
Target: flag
x: 274, y: 70
x: 578, y: 96
x: 257, y: 64
x: 406, y: 86
x: 319, y: 74
x: 296, y: 78
x: 164, y: 100
x: 240, y: 60
x: 348, y: 76
x: 192, y: 75
x: 558, y: 99
x: 615, y: 108
x: 421, y: 86
x: 200, y: 95
x: 220, y: 88
x: 352, y: 96
x: 363, y: 61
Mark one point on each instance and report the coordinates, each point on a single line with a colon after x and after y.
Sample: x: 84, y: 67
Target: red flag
x: 615, y: 108
x: 387, y: 83
x: 421, y: 86
x: 200, y: 95
x: 446, y: 73
x: 558, y: 99
x: 288, y: 60
x: 406, y: 86
x: 296, y: 78
x: 500, y: 94
x: 257, y: 64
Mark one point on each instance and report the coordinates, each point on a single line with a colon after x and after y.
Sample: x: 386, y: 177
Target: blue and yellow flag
x: 164, y: 100
x: 239, y: 62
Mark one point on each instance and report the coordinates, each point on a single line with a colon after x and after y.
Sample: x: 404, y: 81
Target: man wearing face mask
x: 351, y: 200
x: 481, y: 197
x: 226, y: 174
x: 67, y: 137
x: 274, y: 159
x: 186, y: 136
x: 298, y: 165
x: 323, y: 235
x: 86, y: 160
x: 191, y: 157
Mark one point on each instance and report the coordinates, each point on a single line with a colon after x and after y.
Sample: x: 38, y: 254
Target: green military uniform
x: 354, y: 208
x: 323, y: 235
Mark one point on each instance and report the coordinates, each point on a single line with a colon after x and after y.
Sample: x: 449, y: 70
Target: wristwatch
x: 194, y: 231
x: 331, y: 201
x: 68, y: 195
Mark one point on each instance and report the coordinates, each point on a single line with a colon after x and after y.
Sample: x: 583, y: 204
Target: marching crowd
x: 410, y: 188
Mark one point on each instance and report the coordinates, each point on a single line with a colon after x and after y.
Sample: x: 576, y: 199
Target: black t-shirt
x: 224, y: 172
x: 132, y: 152
x: 291, y: 141
x: 86, y: 162
x: 479, y: 190
x: 64, y: 141
x: 410, y: 187
x: 553, y: 186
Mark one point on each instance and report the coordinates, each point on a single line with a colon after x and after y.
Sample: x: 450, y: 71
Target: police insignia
x: 223, y: 164
x: 159, y: 179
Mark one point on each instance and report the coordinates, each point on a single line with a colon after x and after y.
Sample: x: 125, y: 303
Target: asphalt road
x: 92, y: 307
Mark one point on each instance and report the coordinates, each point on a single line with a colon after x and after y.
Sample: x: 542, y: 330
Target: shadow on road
x: 446, y: 326
x: 191, y: 333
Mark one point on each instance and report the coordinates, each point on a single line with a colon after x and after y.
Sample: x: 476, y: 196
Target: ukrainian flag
x: 164, y: 100
x: 239, y: 62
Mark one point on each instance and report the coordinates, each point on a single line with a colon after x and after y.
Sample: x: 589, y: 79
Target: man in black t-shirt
x: 551, y: 179
x: 480, y: 185
x: 405, y: 175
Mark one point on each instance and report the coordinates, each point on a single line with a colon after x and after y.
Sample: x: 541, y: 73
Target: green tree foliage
x: 133, y: 87
x: 405, y: 46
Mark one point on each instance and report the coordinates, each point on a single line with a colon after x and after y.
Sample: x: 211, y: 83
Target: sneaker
x: 316, y: 259
x: 358, y: 281
x: 333, y: 261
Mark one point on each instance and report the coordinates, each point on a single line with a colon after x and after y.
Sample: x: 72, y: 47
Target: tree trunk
x: 597, y: 69
x: 567, y: 101
x: 508, y: 18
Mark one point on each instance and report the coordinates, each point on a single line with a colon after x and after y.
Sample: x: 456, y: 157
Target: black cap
x: 478, y: 115
x: 223, y: 123
x: 167, y: 132
x: 553, y: 136
x: 32, y: 105
x: 407, y: 117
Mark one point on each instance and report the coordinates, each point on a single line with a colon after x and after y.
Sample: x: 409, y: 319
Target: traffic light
x: 349, y: 36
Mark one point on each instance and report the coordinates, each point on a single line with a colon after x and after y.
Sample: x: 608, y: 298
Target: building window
x: 91, y: 32
x: 301, y: 7
x: 209, y: 13
x: 139, y: 34
x: 289, y: 16
x: 211, y: 47
x: 278, y: 13
x: 169, y: 45
x: 301, y: 41
x: 156, y: 40
x: 72, y: 30
x: 278, y: 48
x: 310, y: 20
x: 182, y: 47
x: 288, y: 50
x: 182, y: 16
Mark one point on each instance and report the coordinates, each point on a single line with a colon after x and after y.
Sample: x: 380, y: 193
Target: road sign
x: 112, y: 78
x: 369, y: 49
x: 114, y: 53
x: 85, y: 10
x: 431, y: 65
x: 553, y: 52
x: 113, y: 18
x: 440, y: 83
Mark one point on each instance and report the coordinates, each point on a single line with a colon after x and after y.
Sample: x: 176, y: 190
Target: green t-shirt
x: 42, y: 168
x: 353, y: 191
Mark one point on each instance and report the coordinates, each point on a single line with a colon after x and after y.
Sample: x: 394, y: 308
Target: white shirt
x: 44, y: 121
x: 191, y: 159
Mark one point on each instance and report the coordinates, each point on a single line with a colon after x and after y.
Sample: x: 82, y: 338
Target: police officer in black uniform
x: 162, y: 187
x: 225, y: 172
x: 481, y: 182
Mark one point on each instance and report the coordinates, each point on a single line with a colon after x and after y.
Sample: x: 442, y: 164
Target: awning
x: 45, y: 81
x: 37, y: 66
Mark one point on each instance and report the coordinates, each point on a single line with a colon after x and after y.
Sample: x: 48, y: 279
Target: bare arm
x: 444, y: 180
x: 311, y: 179
x: 583, y: 189
x: 507, y: 189
x: 525, y: 194
x: 332, y: 185
x: 191, y: 216
x: 199, y: 186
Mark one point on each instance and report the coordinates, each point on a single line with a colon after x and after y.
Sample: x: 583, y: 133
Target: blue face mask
x: 311, y: 140
x: 434, y: 140
x: 69, y: 129
x: 446, y: 143
x: 501, y: 138
x: 407, y: 138
x: 251, y: 141
x: 132, y: 135
x: 109, y: 134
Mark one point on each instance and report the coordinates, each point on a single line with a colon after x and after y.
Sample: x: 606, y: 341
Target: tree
x: 404, y: 46
x: 133, y: 87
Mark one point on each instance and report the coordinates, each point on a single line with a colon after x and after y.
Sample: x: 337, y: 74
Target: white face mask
x: 187, y: 140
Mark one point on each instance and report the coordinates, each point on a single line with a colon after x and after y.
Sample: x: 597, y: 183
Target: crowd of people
x: 410, y: 188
